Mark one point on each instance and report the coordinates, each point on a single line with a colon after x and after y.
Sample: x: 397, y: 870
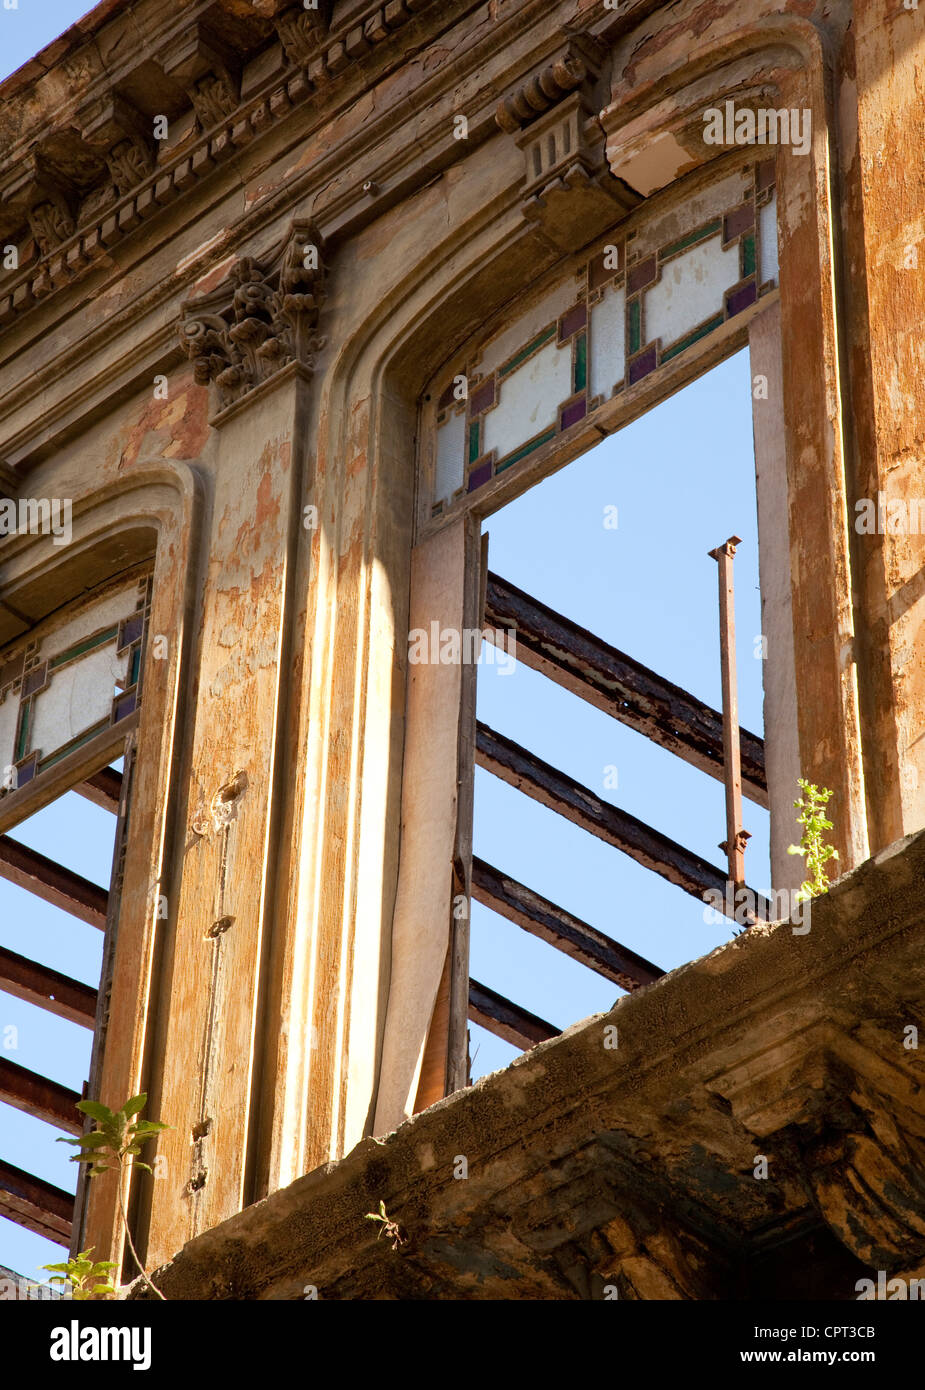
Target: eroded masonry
x: 292, y: 298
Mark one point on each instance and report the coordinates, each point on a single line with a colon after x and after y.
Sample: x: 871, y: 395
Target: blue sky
x: 31, y: 25
x: 682, y: 479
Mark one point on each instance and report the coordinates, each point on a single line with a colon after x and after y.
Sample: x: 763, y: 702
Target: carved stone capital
x: 263, y: 317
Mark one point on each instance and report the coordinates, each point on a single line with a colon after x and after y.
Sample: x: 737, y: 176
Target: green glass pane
x: 99, y: 639
x: 475, y: 436
x: 25, y: 718
x: 694, y: 337
x: 749, y: 256
x: 581, y: 362
x: 525, y: 449
x: 635, y: 325
x: 531, y: 347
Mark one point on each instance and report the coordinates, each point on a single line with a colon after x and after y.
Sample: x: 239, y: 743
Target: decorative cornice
x: 569, y: 190
x: 579, y: 64
x: 44, y: 203
x: 543, y: 91
x: 262, y: 318
x: 9, y: 481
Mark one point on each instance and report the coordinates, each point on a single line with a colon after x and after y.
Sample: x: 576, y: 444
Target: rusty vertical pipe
x: 736, y: 836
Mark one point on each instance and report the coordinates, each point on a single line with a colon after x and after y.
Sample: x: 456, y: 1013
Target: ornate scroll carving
x: 272, y: 319
x: 214, y: 98
x: 208, y: 68
x: 301, y: 31
x: 541, y: 92
x: 130, y: 161
x: 121, y: 134
x: 51, y: 225
x: 552, y: 116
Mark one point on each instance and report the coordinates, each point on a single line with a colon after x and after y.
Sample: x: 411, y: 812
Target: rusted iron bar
x: 579, y: 804
x: 736, y: 836
x: 104, y: 789
x: 35, y: 1204
x: 37, y: 984
x: 623, y: 688
x: 52, y: 882
x: 559, y: 928
x: 39, y: 1096
x: 506, y: 1020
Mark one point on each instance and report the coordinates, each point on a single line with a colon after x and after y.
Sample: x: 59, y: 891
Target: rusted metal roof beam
x: 39, y: 1096
x: 506, y: 1020
x: 38, y: 984
x: 613, y: 682
x: 559, y: 928
x: 52, y: 882
x: 552, y: 788
x: 104, y: 789
x: 35, y: 1204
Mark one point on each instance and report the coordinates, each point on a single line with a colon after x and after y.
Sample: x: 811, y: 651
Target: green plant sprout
x: 389, y: 1227
x: 113, y: 1145
x: 79, y: 1272
x: 811, y: 806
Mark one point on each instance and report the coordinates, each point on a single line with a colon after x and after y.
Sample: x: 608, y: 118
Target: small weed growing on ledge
x: 80, y: 1272
x: 811, y: 806
x: 391, y: 1228
x: 114, y: 1144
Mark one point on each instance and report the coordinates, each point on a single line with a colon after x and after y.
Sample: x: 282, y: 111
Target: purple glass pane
x: 12, y: 670
x: 26, y: 770
x: 641, y: 275
x: 124, y: 705
x: 572, y: 413
x: 572, y: 322
x: 130, y: 630
x: 740, y: 220
x: 741, y: 299
x: 599, y: 272
x: 479, y: 475
x: 35, y: 680
x: 483, y: 397
x: 642, y: 365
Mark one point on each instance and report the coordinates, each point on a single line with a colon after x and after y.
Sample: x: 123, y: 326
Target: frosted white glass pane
x: 527, y: 326
x: 106, y: 612
x: 767, y: 229
x: 690, y: 290
x: 9, y: 711
x: 79, y: 696
x: 530, y: 400
x: 451, y: 443
x: 608, y: 342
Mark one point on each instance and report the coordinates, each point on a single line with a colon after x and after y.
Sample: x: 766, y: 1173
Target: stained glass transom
x: 655, y: 292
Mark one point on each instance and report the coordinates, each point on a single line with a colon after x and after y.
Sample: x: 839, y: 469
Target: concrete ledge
x: 639, y: 1165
